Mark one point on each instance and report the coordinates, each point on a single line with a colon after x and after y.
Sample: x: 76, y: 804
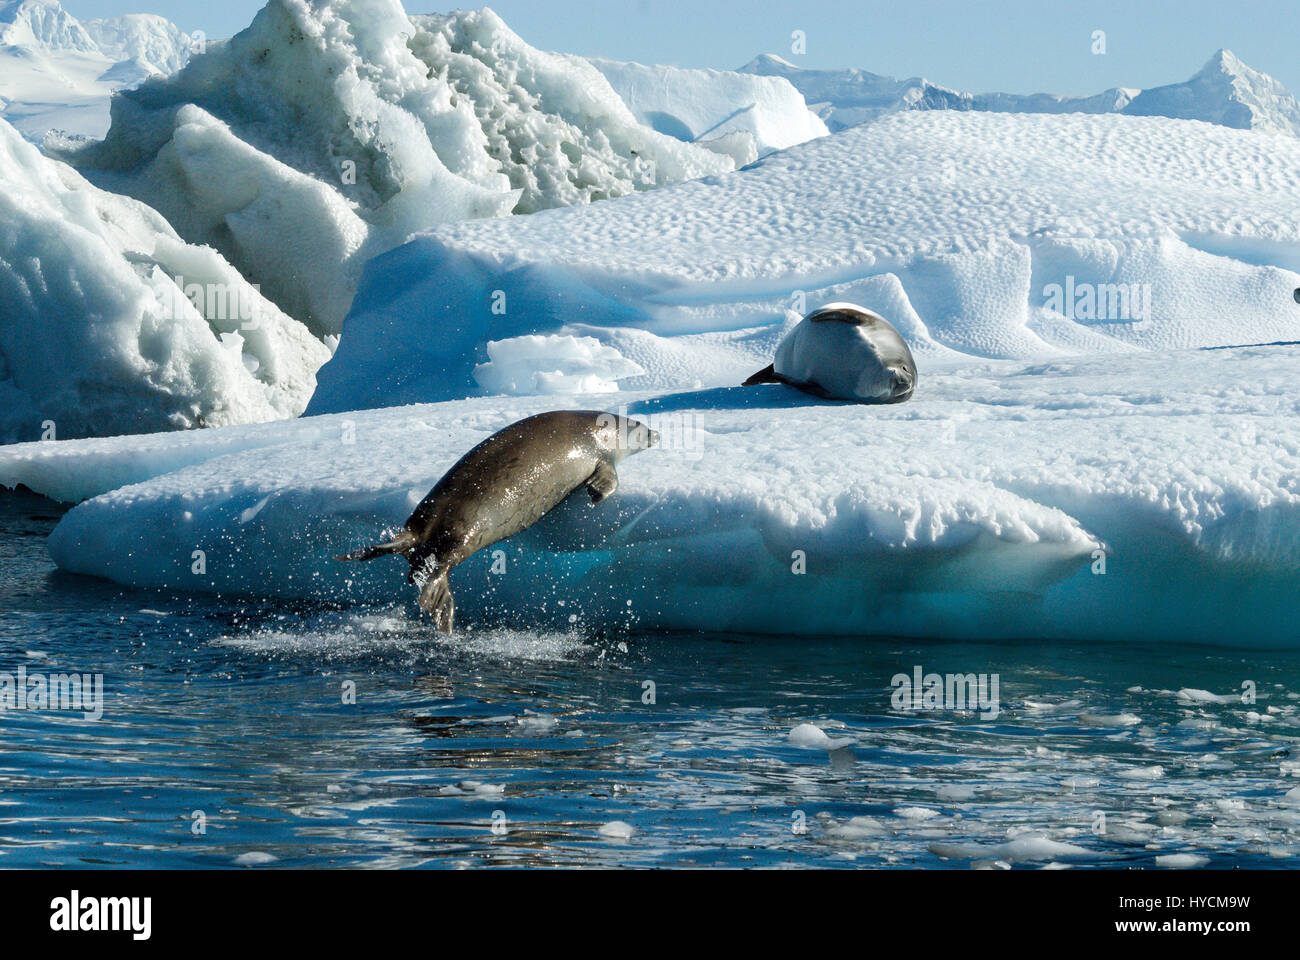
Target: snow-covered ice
x: 992, y: 235
x: 553, y: 364
x: 58, y: 72
x: 111, y: 324
x: 1147, y: 494
x: 1102, y: 308
x: 325, y: 133
x: 703, y: 105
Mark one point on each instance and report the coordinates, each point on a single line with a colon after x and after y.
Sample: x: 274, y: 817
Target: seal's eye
x: 1296, y: 295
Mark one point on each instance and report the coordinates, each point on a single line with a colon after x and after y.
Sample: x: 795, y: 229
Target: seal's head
x: 622, y: 436
x: 891, y: 384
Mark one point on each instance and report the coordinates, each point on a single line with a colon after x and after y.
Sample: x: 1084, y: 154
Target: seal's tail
x: 399, y: 544
x: 767, y: 375
x: 435, y: 599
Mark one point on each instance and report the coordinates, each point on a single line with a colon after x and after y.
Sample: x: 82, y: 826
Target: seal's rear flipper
x: 767, y: 375
x: 435, y: 599
x: 602, y: 483
x: 399, y: 544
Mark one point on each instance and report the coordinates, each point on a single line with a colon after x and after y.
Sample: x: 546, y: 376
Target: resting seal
x: 504, y: 485
x: 844, y: 352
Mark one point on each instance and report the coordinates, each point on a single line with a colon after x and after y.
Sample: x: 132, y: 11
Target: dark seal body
x: 505, y: 485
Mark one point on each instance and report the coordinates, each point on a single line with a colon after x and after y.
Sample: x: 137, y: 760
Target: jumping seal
x: 505, y: 485
x: 844, y: 352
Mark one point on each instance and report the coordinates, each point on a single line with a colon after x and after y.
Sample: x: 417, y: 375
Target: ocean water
x: 246, y: 733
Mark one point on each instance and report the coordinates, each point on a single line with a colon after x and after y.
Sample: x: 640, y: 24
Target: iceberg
x: 706, y: 105
x: 111, y: 324
x: 1148, y: 494
x: 975, y: 234
x: 326, y: 133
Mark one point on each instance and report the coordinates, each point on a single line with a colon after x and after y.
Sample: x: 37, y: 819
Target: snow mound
x: 974, y: 234
x: 1225, y: 92
x: 112, y: 324
x: 704, y: 105
x: 326, y: 133
x: 553, y: 364
x: 1142, y: 495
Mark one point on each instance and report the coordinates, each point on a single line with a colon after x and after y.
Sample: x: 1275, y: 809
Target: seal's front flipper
x: 602, y: 483
x: 435, y: 599
x: 767, y: 375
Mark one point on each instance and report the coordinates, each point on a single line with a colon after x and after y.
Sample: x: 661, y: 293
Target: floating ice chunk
x: 1029, y: 847
x: 540, y: 723
x: 617, y: 830
x: 1181, y: 861
x: 1153, y: 772
x: 1231, y: 805
x: 1110, y: 719
x: 857, y: 828
x: 811, y: 735
x: 916, y: 813
x: 255, y: 858
x: 553, y: 364
x: 1192, y: 695
x: 955, y: 792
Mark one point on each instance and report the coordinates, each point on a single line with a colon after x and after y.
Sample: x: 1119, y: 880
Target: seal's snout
x: 636, y: 436
x: 903, y: 383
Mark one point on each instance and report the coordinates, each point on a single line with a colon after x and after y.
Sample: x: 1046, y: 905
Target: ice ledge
x: 977, y: 510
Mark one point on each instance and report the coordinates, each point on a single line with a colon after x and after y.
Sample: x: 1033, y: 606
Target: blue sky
x: 1017, y: 46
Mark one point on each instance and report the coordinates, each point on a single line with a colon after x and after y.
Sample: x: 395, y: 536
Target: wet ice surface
x: 235, y: 708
